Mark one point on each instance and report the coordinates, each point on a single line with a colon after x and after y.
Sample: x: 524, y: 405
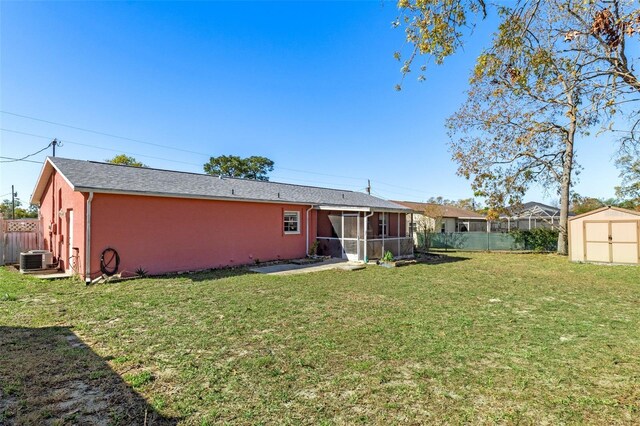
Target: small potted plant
x: 387, y: 260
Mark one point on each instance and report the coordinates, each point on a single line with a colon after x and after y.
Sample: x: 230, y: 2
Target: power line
x: 99, y: 147
x: 18, y: 159
x: 153, y: 144
x: 150, y: 143
x: 165, y: 159
x: 27, y: 156
x: 410, y: 193
x: 320, y: 174
x: 156, y: 144
x: 101, y: 133
x: 314, y: 181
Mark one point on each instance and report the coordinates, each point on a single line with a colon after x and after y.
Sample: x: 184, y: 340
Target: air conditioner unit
x: 47, y: 257
x: 35, y: 259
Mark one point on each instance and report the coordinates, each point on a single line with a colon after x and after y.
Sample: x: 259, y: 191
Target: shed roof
x: 601, y: 209
x: 86, y: 176
x: 447, y: 211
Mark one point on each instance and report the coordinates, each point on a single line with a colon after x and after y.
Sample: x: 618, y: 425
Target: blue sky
x: 308, y: 84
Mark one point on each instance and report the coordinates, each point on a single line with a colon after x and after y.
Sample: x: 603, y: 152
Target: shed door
x: 611, y: 241
x: 624, y: 242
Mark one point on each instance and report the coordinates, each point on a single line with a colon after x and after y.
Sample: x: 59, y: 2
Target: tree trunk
x: 565, y: 184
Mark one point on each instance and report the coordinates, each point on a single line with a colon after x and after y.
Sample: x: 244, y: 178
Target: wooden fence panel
x: 18, y: 236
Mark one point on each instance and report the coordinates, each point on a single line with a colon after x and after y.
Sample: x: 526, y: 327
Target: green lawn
x: 492, y: 338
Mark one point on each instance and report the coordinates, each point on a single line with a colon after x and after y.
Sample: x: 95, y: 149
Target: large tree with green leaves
x: 125, y: 160
x: 630, y: 173
x: 7, y: 210
x: 527, y: 105
x: 254, y: 167
x: 553, y: 70
x: 436, y: 29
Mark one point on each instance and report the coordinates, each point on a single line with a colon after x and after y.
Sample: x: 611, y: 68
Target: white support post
x: 398, y: 234
x: 384, y: 230
x: 344, y: 253
x: 358, y: 236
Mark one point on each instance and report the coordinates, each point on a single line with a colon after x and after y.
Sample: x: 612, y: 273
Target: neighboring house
x: 166, y: 221
x: 528, y: 216
x: 442, y: 218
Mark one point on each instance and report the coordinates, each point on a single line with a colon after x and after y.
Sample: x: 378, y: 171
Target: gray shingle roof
x: 105, y: 177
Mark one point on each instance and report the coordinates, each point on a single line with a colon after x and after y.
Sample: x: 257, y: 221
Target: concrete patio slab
x: 53, y: 276
x: 291, y: 269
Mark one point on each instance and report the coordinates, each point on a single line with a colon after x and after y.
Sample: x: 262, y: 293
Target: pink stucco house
x: 167, y: 221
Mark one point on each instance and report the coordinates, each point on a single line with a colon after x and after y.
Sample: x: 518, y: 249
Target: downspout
x: 87, y: 242
x: 366, y: 220
x: 307, y: 228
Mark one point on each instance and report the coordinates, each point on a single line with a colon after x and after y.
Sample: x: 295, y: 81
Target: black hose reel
x: 109, y: 261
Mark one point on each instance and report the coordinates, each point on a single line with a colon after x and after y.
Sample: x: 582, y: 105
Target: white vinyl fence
x: 18, y: 236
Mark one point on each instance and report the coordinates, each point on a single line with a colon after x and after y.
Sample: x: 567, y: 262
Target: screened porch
x: 363, y: 235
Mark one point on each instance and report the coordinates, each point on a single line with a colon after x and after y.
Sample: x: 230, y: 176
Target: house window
x: 383, y: 224
x: 413, y: 228
x: 291, y: 222
x: 443, y: 228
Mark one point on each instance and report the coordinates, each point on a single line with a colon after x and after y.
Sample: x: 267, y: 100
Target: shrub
x: 388, y: 257
x: 141, y: 272
x: 313, y: 250
x: 537, y: 239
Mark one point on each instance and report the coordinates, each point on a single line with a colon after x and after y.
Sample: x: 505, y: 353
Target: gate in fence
x: 16, y: 236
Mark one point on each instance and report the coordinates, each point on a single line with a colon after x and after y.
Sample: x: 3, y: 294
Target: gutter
x: 87, y: 242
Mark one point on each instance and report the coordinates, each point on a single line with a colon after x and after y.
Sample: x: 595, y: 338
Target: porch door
x: 350, y: 236
x: 70, y: 259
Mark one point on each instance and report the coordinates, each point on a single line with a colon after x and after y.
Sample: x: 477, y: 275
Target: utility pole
x: 54, y: 143
x: 369, y: 186
x: 13, y: 203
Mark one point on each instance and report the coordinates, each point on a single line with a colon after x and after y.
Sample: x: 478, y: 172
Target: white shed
x: 605, y: 235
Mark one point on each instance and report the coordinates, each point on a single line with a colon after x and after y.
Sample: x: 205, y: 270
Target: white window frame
x: 297, y: 222
x: 383, y: 224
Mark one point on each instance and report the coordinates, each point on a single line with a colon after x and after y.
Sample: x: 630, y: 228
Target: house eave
x: 45, y: 173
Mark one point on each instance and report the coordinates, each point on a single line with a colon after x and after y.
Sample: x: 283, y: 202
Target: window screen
x: 291, y: 222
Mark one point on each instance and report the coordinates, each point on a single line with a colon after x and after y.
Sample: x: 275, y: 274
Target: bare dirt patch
x: 49, y: 376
